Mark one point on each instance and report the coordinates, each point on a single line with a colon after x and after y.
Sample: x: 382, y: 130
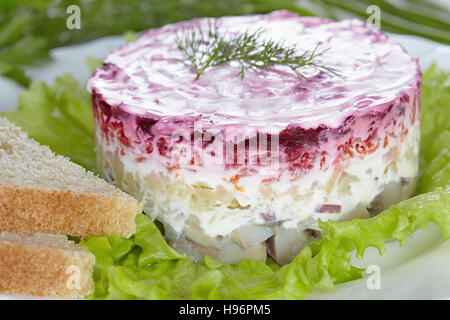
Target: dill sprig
x: 203, y: 50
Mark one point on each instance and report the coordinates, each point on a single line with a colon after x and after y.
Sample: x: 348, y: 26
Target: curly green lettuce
x: 146, y: 267
x: 435, y: 130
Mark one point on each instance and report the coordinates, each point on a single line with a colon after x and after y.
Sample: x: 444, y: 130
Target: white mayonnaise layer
x: 285, y: 201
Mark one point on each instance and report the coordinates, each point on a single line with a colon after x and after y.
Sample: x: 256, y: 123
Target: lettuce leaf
x: 59, y: 116
x: 146, y: 267
x: 435, y: 130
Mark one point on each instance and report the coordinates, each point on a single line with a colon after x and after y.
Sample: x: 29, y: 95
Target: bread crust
x: 45, y: 271
x: 31, y: 209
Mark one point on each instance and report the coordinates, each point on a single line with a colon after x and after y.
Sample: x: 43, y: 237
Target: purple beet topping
x: 144, y: 92
x: 149, y: 75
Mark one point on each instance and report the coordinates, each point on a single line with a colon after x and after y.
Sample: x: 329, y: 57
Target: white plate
x: 419, y: 270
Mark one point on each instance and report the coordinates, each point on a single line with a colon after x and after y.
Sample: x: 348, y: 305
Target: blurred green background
x: 30, y: 28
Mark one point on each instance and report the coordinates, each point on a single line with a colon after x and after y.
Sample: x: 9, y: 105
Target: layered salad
x: 242, y: 132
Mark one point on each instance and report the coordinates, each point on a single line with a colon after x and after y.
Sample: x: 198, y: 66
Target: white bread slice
x: 43, y: 192
x: 42, y: 264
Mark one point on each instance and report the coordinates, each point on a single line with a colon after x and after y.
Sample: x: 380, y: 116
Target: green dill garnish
x: 203, y: 50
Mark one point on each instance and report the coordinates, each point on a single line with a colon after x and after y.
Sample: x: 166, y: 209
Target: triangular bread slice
x: 46, y: 265
x: 43, y: 192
